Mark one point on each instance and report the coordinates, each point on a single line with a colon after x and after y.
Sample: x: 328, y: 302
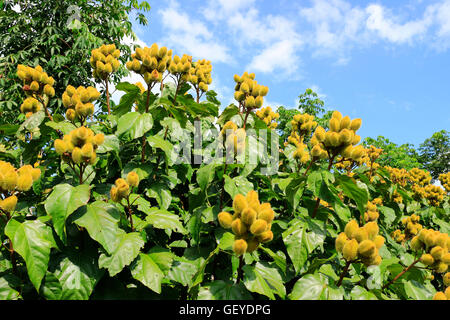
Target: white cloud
x: 387, y: 28
x: 192, y: 36
x: 279, y: 55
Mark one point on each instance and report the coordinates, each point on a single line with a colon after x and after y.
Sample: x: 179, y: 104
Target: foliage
x: 434, y: 153
x: 138, y: 203
x: 59, y: 36
x: 403, y: 156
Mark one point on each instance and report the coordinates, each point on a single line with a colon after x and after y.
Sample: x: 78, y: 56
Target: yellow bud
x: 24, y: 182
x: 334, y: 125
x: 337, y: 115
x: 248, y: 216
x: 9, y: 204
x: 345, y: 123
x: 340, y: 241
x: 441, y: 267
x: 427, y: 259
x: 379, y: 241
x: 240, y: 247
x: 355, y: 124
x: 225, y: 219
x: 238, y: 227
x: 133, y: 179
x: 350, y: 229
x: 446, y: 258
x: 258, y: 227
x: 350, y: 250
x: 360, y: 235
x: 372, y: 229
x: 266, y: 214
x: 437, y: 252
x: 366, y: 248
x: 35, y: 174
x: 99, y: 139
x: 439, y: 296
x: 416, y: 244
x: 266, y: 236
x: 60, y: 146
x: 34, y: 86
x: 446, y: 279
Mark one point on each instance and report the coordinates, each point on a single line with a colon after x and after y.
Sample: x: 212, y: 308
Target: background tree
x: 434, y: 153
x: 59, y: 36
x: 403, y: 156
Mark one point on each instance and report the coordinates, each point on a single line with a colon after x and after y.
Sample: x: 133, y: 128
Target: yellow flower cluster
x: 372, y: 213
x: 442, y: 295
x: 444, y: 178
x: 248, y: 91
x: 434, y: 194
x: 181, y: 66
x: 79, y: 145
x: 340, y: 139
x: 446, y: 294
x: 360, y: 243
x: 12, y: 179
x: 200, y: 75
x: 398, y: 176
x: 233, y: 138
x: 251, y: 222
x: 104, y: 61
x: 302, y: 154
x: 268, y: 116
x: 121, y: 189
x: 150, y: 63
x: 419, y: 177
x: 36, y: 83
x: 78, y: 102
x: 411, y: 227
x: 435, y: 246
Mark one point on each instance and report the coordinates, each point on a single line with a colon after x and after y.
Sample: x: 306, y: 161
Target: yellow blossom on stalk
x: 105, y: 61
x: 268, y: 116
x: 250, y: 222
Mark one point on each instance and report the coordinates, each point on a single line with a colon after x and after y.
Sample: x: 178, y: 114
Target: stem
x: 81, y: 173
x: 309, y: 167
x: 130, y: 213
x: 344, y: 272
x: 240, y: 271
x: 246, y: 116
x: 107, y: 95
x: 13, y: 258
x: 147, y: 105
x: 400, y: 274
x: 223, y: 186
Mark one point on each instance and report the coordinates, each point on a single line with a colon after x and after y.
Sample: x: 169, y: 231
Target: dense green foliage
x: 59, y: 36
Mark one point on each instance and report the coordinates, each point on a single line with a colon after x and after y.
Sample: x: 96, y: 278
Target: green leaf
x: 62, y: 202
x: 237, y: 185
x: 205, y: 175
x: 126, y: 250
x: 359, y: 293
x: 32, y: 239
x: 417, y: 291
x: 309, y: 287
x: 6, y: 290
x: 162, y: 219
x: 64, y: 126
x: 100, y: 220
x: 111, y: 143
x: 146, y: 270
x: 294, y: 191
x: 221, y: 290
x: 133, y: 125
x: 294, y: 240
x: 159, y: 142
x: 353, y: 191
x: 161, y: 193
x: 264, y: 280
x: 32, y: 122
x: 78, y: 273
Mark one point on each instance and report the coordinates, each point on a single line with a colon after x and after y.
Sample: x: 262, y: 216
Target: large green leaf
x: 417, y: 291
x: 359, y: 293
x: 159, y: 142
x: 264, y: 280
x: 205, y: 175
x: 353, y: 191
x: 133, y: 125
x: 111, y: 143
x: 78, y: 273
x: 6, y: 290
x: 146, y: 270
x: 221, y: 290
x: 163, y: 219
x: 294, y: 240
x: 237, y: 185
x: 126, y: 250
x: 62, y: 202
x: 32, y: 239
x: 161, y: 193
x: 309, y: 287
x: 100, y: 220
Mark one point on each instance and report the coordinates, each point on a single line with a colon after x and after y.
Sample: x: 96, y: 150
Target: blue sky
x: 387, y: 62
